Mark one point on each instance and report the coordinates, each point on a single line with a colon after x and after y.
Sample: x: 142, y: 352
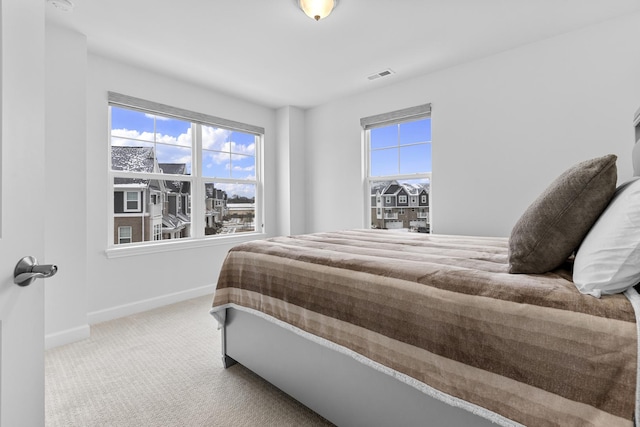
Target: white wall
x: 65, y: 195
x: 503, y: 128
x: 291, y: 194
x: 283, y: 193
x: 120, y: 286
x: 297, y: 168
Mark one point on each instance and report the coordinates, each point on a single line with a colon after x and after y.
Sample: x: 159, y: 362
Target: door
x: 21, y: 211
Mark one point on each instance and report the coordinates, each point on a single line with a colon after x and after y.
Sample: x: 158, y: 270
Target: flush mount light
x: 63, y: 5
x: 317, y: 9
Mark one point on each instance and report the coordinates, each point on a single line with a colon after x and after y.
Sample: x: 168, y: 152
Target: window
x: 124, y: 234
x: 398, y: 164
x: 132, y: 201
x: 177, y: 174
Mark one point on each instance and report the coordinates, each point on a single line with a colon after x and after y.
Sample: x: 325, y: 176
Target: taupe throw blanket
x: 445, y: 311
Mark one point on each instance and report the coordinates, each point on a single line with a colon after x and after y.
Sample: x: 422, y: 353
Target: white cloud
x: 183, y: 140
x: 246, y: 168
x: 161, y: 118
x: 218, y: 140
x: 132, y: 134
x: 243, y: 190
x: 214, y: 138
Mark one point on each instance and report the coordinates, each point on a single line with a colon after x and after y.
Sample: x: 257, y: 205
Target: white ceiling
x: 270, y: 52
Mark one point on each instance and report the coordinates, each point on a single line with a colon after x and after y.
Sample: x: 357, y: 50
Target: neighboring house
x: 149, y: 209
x: 176, y: 215
x: 137, y: 203
x: 396, y: 206
x: 215, y: 208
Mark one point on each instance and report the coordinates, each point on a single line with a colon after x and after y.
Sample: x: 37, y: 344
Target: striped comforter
x: 444, y: 310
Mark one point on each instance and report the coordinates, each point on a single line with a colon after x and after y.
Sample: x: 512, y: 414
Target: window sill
x: 178, y: 245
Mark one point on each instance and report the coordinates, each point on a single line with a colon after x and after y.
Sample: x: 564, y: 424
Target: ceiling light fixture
x: 317, y: 9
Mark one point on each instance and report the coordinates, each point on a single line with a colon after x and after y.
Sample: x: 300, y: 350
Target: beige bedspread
x: 445, y: 311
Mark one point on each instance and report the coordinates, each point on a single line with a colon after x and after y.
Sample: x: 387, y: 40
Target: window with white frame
x: 398, y: 160
x: 178, y: 174
x: 132, y: 201
x: 124, y: 234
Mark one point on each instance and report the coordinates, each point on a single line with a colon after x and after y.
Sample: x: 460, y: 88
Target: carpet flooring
x: 161, y: 368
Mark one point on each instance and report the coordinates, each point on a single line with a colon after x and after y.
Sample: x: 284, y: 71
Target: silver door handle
x: 27, y: 270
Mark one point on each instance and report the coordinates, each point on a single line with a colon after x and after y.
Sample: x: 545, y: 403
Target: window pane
x: 243, y: 143
x: 228, y: 154
x: 132, y: 124
x: 230, y: 208
x: 216, y: 164
x: 156, y: 210
x: 415, y: 158
x: 243, y: 167
x: 173, y: 131
x: 141, y: 141
x: 416, y: 131
x: 175, y: 213
x: 386, y: 212
x: 215, y: 138
x: 384, y: 162
x: 386, y: 136
x: 125, y: 232
x: 173, y: 159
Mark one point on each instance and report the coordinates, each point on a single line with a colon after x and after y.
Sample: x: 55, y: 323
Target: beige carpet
x: 161, y: 368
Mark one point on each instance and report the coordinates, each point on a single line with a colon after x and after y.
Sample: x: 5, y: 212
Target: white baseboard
x: 66, y: 337
x: 148, y: 304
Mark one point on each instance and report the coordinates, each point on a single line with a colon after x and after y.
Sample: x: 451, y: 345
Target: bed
x: 372, y: 327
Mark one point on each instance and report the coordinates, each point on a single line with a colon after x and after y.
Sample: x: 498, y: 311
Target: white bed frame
x: 333, y: 384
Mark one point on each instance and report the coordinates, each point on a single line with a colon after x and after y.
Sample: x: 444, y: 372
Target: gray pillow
x: 556, y: 222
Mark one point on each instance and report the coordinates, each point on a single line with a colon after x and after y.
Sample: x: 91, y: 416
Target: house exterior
x: 137, y: 203
x: 215, y: 208
x: 400, y: 206
x: 149, y: 209
x: 176, y: 212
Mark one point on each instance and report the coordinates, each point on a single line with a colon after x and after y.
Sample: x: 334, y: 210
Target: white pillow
x: 608, y: 260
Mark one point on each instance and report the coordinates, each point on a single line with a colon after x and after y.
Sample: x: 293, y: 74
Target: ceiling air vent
x: 383, y: 73
x: 63, y: 5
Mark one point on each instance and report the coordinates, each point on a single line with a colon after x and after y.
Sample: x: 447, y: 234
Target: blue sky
x: 226, y: 153
x: 401, y: 149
